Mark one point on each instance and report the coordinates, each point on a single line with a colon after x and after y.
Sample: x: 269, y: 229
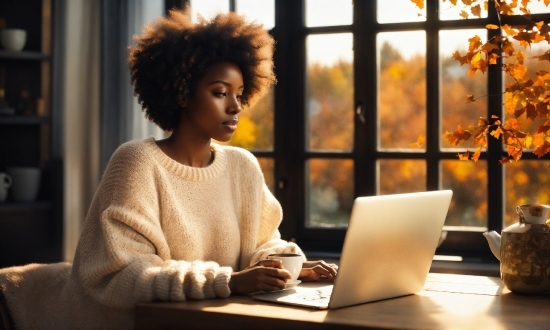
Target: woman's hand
x: 265, y: 275
x: 313, y: 270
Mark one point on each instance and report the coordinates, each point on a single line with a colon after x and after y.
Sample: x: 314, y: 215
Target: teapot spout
x: 493, y: 238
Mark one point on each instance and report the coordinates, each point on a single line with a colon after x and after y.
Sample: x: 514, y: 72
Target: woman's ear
x: 181, y: 101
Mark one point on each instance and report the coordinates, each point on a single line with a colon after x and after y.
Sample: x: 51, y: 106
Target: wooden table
x: 448, y: 301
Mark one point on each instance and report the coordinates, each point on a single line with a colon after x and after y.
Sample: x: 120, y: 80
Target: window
x: 404, y: 83
x: 358, y: 82
x: 256, y: 123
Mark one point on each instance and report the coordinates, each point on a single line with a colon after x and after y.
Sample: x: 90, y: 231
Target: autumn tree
x: 525, y: 95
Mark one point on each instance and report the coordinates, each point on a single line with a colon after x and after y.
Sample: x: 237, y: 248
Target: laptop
x: 388, y: 250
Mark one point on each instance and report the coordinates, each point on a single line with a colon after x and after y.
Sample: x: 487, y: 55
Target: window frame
x: 290, y: 153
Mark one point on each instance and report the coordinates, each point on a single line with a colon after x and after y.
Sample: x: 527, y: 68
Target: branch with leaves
x: 523, y: 96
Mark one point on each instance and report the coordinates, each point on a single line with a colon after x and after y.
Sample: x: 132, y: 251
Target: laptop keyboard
x: 314, y: 295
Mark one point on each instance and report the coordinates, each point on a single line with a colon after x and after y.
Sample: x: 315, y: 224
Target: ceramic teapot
x: 524, y: 251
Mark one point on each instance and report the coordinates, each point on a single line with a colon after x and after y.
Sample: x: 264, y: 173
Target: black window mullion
x: 289, y: 61
x: 365, y: 80
x: 433, y: 176
x: 495, y: 177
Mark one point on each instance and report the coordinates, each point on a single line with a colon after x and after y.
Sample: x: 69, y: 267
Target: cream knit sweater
x: 159, y: 230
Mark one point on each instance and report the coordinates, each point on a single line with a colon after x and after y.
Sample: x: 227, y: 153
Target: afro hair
x: 173, y: 54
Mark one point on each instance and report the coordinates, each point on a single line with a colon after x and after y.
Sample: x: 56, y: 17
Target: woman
x: 185, y: 218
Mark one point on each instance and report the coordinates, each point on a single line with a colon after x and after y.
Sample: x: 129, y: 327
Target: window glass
x: 396, y: 11
x: 145, y: 12
x: 527, y: 181
x: 449, y: 12
x: 396, y: 176
x: 207, y: 8
x: 328, y: 12
x: 455, y: 84
x: 401, y: 88
x: 255, y: 128
x: 261, y: 11
x: 468, y: 181
x: 330, y: 192
x: 268, y: 169
x: 538, y: 7
x: 329, y: 89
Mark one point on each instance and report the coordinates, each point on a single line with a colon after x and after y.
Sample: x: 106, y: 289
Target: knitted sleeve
x: 263, y: 214
x: 123, y: 258
x: 270, y: 241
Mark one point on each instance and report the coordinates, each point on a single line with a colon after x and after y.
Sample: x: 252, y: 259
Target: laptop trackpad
x: 313, y: 295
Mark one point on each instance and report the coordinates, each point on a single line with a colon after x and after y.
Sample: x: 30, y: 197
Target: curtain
x: 121, y: 117
x: 92, y: 91
x: 76, y: 97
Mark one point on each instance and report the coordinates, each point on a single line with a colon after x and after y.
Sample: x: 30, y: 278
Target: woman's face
x: 212, y: 111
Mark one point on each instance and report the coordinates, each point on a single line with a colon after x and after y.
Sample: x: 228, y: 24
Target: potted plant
x: 526, y: 96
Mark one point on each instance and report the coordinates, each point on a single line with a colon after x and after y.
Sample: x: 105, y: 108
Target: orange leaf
x: 474, y: 43
x: 459, y: 135
x: 514, y: 152
x: 462, y: 59
x: 531, y: 111
x: 517, y: 71
x: 524, y: 38
x: 476, y: 10
x: 509, y: 30
x: 493, y: 58
x: 464, y: 156
x: 491, y: 26
x: 508, y: 48
x: 497, y: 132
x: 488, y: 47
x: 520, y: 56
x: 476, y: 154
x: 418, y: 3
x: 542, y: 149
x: 511, y: 124
x: 506, y: 160
x: 528, y: 141
x: 477, y: 63
x: 419, y: 143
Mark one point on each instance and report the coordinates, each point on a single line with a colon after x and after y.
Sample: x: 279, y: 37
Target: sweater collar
x: 187, y: 172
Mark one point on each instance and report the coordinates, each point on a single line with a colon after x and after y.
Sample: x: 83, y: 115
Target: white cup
x: 26, y: 183
x: 13, y: 39
x: 5, y: 184
x: 291, y: 262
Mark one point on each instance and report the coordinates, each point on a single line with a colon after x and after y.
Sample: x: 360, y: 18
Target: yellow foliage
x: 396, y: 71
x: 245, y: 135
x: 526, y: 99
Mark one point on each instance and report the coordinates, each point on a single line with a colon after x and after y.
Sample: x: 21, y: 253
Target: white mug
x: 13, y: 39
x: 5, y: 184
x: 291, y: 262
x: 26, y: 183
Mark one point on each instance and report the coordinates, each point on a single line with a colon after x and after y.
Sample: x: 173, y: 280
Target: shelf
x: 9, y: 207
x: 23, y: 55
x: 23, y: 120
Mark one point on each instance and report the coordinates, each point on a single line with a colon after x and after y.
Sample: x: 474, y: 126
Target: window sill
x: 467, y: 267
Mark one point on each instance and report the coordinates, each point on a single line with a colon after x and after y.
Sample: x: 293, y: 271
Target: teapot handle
x: 519, y: 211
